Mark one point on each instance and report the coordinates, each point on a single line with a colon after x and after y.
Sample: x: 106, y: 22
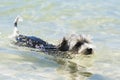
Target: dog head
x: 77, y: 44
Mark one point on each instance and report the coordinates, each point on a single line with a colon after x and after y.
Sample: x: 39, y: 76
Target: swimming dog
x: 75, y: 44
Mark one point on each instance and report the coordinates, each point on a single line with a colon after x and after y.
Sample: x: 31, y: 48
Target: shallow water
x: 51, y: 20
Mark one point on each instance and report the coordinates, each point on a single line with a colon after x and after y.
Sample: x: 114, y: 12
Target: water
x: 51, y: 20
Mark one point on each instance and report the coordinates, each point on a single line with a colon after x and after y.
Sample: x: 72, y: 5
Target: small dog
x: 75, y: 44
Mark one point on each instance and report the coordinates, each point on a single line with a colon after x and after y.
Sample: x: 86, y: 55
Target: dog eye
x: 78, y: 44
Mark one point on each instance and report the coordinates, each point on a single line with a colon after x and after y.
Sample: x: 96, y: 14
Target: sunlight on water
x: 51, y: 20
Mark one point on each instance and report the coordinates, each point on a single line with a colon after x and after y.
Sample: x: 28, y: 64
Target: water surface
x: 51, y: 20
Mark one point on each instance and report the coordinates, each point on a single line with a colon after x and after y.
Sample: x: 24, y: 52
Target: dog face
x: 86, y: 49
x: 77, y: 44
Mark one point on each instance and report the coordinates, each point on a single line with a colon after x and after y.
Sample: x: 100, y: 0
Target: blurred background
x: 51, y: 20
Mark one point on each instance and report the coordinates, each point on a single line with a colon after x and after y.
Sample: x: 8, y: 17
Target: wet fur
x: 74, y: 44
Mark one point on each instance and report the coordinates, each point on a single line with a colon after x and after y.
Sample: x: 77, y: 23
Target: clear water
x: 51, y: 20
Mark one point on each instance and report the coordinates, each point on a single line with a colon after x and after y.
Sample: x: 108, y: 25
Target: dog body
x: 34, y: 42
x: 76, y: 44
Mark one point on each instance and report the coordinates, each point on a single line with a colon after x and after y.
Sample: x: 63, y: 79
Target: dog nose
x: 89, y: 50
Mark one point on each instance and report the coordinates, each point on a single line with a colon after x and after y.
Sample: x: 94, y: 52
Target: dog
x: 74, y: 44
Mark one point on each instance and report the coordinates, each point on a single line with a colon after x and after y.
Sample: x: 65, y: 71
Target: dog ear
x: 63, y: 46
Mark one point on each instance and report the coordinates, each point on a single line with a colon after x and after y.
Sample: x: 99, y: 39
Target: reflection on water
x: 72, y: 70
x: 51, y: 20
x: 31, y: 65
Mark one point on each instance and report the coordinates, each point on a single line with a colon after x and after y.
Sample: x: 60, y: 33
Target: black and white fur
x: 75, y: 44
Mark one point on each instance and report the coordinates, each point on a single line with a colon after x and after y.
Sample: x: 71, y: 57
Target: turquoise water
x: 51, y: 20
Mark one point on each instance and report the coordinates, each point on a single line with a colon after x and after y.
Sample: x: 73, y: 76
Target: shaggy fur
x: 76, y: 44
